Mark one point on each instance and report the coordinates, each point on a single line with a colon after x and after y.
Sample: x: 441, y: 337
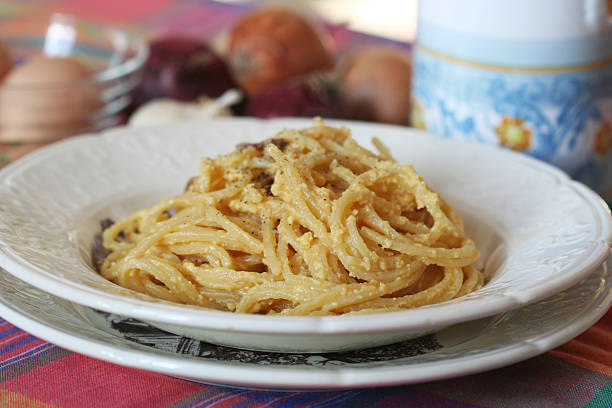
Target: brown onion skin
x: 377, y: 84
x: 272, y: 45
x: 5, y: 61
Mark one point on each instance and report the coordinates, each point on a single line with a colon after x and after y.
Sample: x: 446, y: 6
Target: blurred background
x: 386, y: 18
x: 145, y: 62
x: 534, y: 77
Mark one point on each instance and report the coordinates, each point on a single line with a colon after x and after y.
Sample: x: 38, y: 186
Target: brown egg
x: 46, y: 99
x: 41, y: 70
x: 6, y: 62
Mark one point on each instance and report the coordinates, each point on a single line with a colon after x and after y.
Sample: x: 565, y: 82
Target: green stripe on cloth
x: 34, y: 358
x: 543, y: 381
x: 603, y: 398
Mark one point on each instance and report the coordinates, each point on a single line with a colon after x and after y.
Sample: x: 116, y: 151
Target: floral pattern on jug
x: 562, y: 117
x: 538, y: 82
x: 514, y: 134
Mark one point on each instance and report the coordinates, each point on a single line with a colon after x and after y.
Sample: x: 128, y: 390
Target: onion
x: 272, y: 45
x: 6, y: 62
x: 377, y: 84
x: 314, y: 95
x: 185, y: 69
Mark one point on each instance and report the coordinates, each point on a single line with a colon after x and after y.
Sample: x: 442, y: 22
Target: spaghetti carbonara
x: 305, y: 223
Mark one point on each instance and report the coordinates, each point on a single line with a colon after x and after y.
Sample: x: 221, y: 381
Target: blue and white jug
x: 531, y: 75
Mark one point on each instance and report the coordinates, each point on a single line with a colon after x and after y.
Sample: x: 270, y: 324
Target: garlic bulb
x: 164, y: 110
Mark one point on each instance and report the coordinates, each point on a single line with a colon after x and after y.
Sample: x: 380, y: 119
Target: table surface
x: 34, y: 373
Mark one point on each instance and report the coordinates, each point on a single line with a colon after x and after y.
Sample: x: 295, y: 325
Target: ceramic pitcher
x: 529, y: 75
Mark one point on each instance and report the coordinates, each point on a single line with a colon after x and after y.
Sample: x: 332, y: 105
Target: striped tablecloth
x: 34, y: 373
x: 37, y: 374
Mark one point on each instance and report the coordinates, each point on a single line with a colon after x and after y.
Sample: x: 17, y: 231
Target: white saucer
x: 459, y: 350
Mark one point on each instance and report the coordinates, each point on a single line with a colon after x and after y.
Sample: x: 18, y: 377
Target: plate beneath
x: 462, y: 349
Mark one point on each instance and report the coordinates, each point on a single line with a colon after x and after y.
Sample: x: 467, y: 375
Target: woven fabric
x: 36, y: 374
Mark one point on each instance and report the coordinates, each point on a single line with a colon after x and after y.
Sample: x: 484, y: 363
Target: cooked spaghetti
x: 305, y: 223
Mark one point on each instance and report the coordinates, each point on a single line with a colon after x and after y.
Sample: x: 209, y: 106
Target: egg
x: 5, y: 61
x: 45, y: 99
x: 42, y: 70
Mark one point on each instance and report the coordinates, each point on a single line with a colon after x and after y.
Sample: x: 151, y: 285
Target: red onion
x: 183, y: 68
x: 315, y: 95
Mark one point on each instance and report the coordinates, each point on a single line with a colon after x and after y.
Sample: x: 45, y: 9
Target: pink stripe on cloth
x: 79, y: 381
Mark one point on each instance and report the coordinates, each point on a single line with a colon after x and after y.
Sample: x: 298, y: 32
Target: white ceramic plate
x: 538, y: 231
x: 462, y: 349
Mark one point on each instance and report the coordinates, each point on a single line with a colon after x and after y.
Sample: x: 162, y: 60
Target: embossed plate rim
x: 436, y: 315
